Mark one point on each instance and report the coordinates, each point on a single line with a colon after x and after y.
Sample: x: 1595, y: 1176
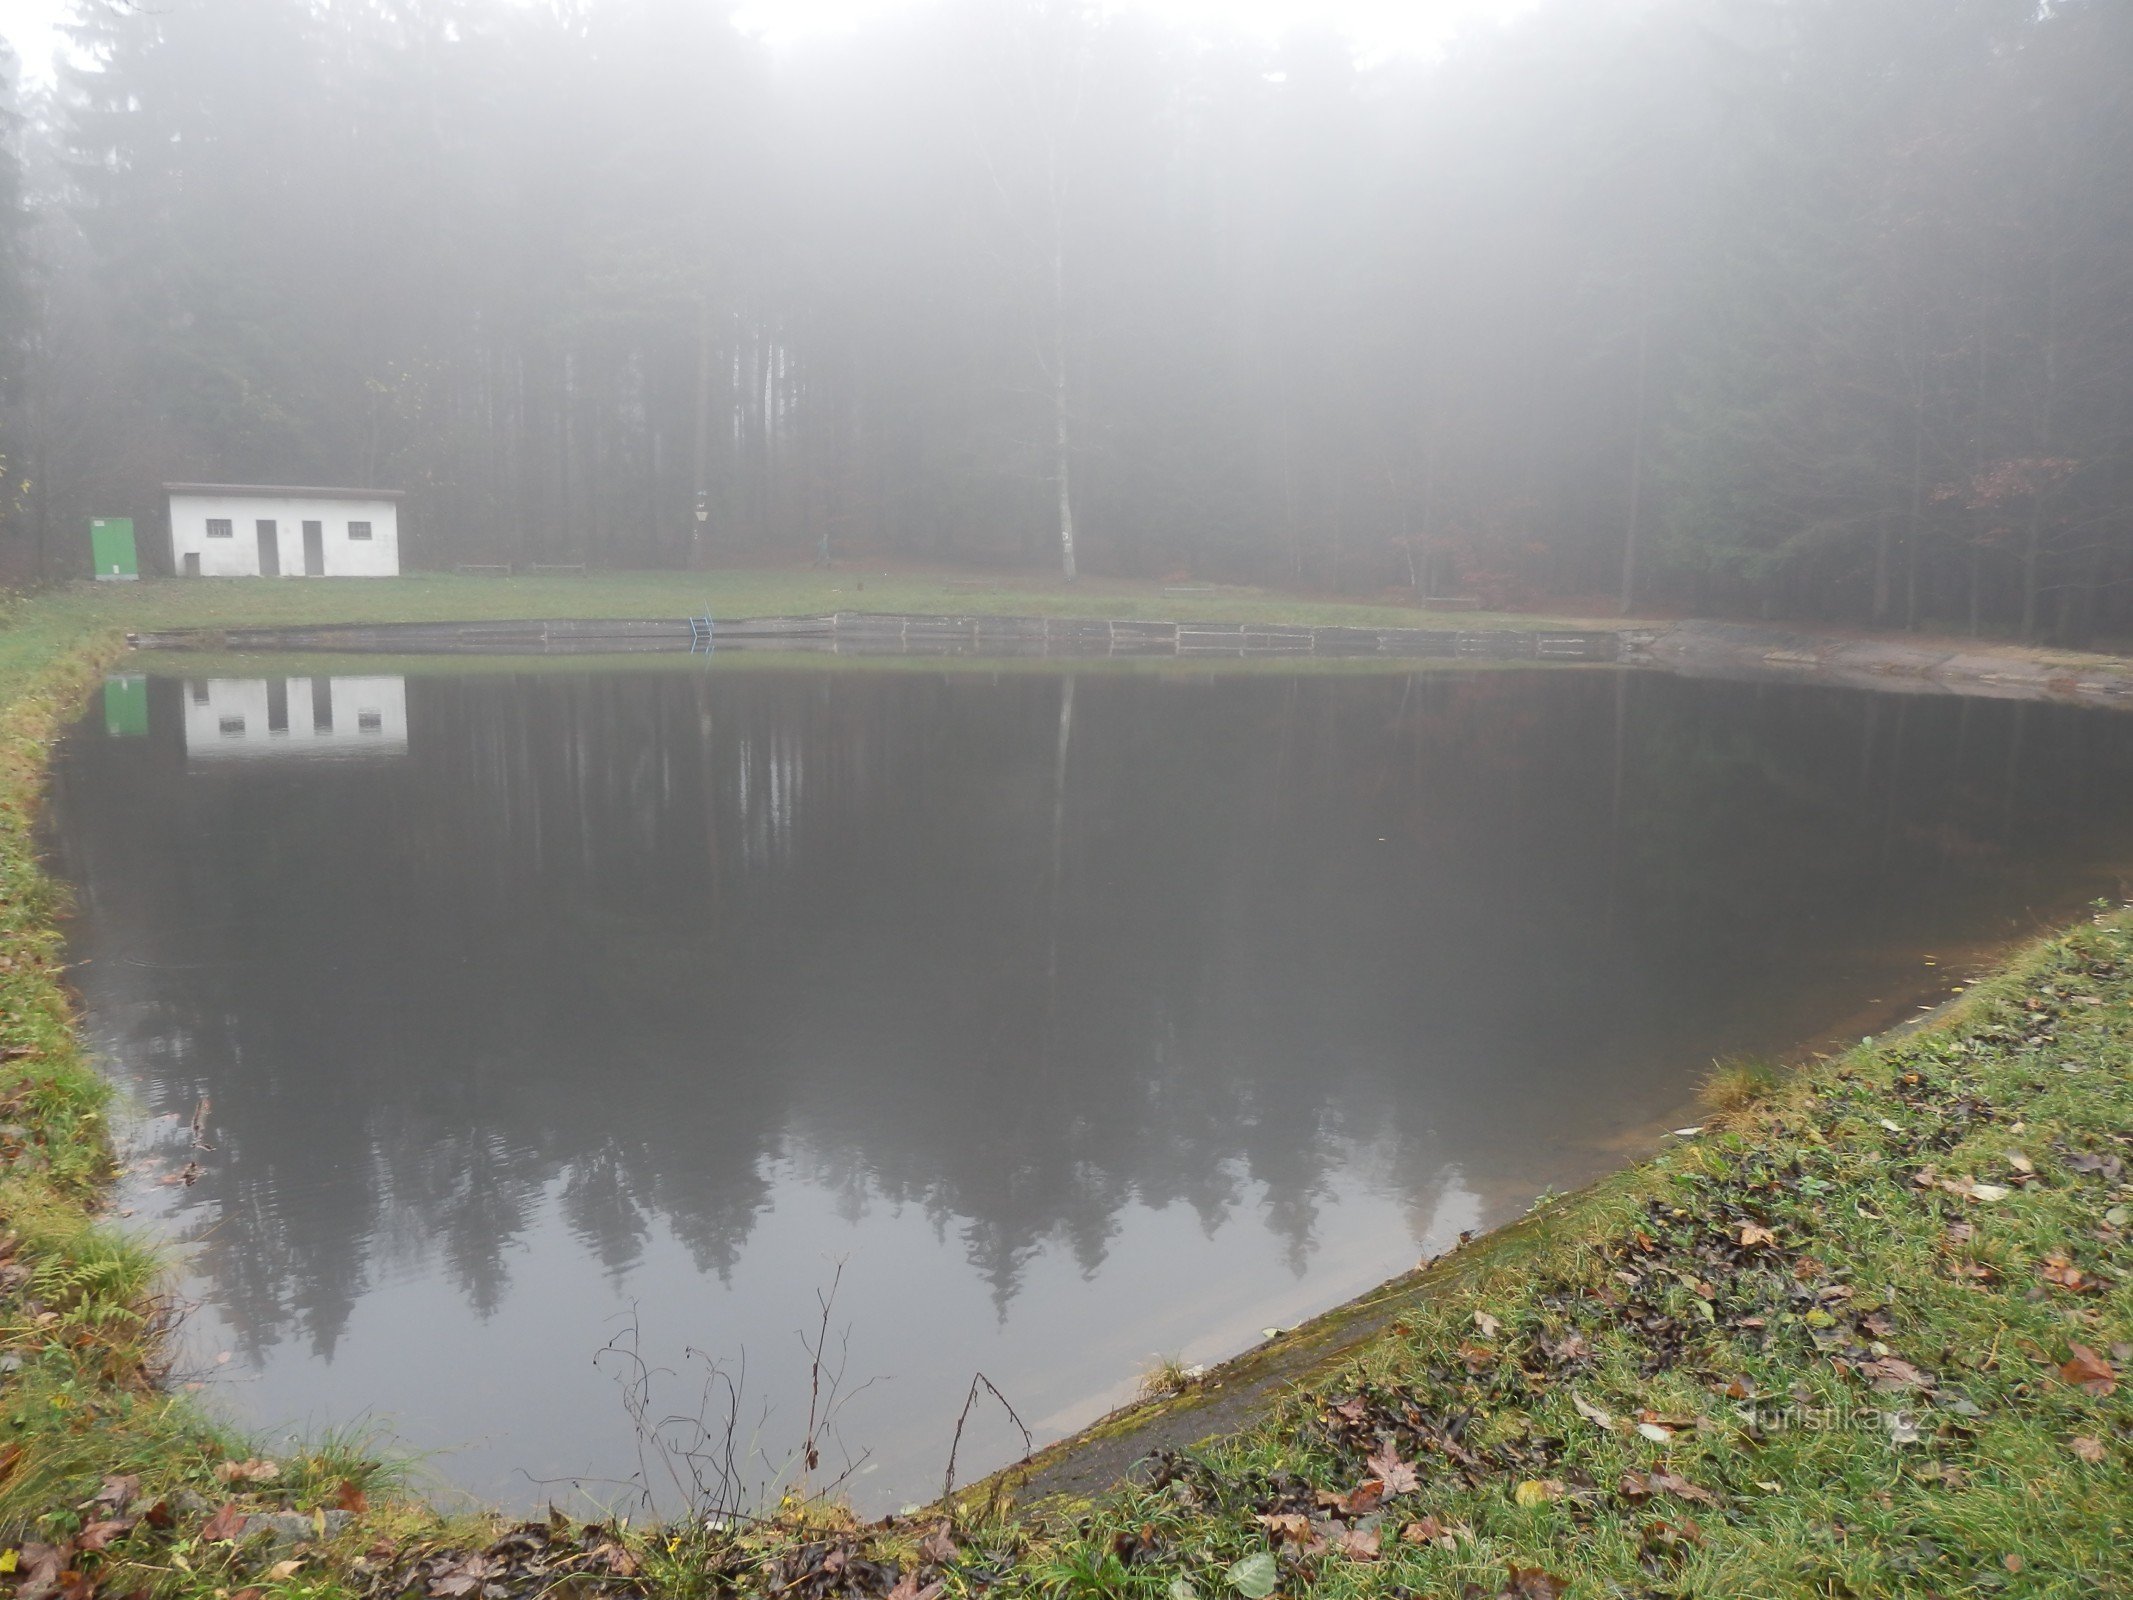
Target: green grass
x: 740, y: 592
x: 1925, y: 1229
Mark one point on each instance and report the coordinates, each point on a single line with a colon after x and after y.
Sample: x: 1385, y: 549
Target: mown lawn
x: 1866, y: 1336
x: 740, y: 592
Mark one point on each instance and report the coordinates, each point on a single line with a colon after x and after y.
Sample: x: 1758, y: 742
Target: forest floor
x: 1866, y: 1332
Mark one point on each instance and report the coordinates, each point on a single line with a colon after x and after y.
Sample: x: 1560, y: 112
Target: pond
x: 562, y: 1034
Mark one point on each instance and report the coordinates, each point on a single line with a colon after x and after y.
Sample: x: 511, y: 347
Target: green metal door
x: 126, y: 707
x: 111, y: 547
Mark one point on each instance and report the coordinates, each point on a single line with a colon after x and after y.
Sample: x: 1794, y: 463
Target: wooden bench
x: 1188, y: 589
x: 488, y: 569
x: 560, y: 566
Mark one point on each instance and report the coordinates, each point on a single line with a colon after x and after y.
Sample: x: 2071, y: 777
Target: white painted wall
x: 238, y: 555
x: 231, y: 718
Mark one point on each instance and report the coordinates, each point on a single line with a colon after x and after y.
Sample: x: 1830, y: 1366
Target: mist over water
x: 1077, y: 1017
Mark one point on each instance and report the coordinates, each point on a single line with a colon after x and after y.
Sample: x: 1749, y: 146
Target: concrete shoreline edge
x: 1890, y: 663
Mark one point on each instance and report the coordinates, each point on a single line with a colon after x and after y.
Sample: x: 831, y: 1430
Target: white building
x: 248, y: 718
x: 241, y: 530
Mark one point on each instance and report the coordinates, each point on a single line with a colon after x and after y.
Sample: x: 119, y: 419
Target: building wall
x: 233, y: 718
x: 238, y: 555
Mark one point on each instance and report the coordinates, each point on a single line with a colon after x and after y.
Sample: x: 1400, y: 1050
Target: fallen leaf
x: 1531, y: 1583
x: 1399, y: 1477
x: 1754, y: 1233
x: 351, y: 1499
x: 39, y: 1571
x: 939, y: 1546
x: 1538, y: 1492
x: 225, y: 1525
x: 1358, y: 1544
x: 1643, y: 1485
x: 1254, y: 1576
x: 1427, y: 1531
x: 907, y: 1588
x: 255, y: 1470
x: 1655, y: 1433
x: 463, y: 1577
x: 1488, y: 1325
x: 97, y: 1535
x: 284, y: 1569
x: 117, y: 1492
x: 1890, y: 1374
x: 1287, y: 1527
x: 1592, y: 1413
x: 2089, y: 1450
x: 1357, y: 1502
x: 2085, y: 1369
x: 1477, y: 1358
x: 2061, y: 1272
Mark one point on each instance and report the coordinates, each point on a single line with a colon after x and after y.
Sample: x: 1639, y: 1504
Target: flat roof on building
x: 282, y: 491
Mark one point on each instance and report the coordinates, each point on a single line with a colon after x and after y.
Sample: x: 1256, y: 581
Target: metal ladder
x: 701, y: 630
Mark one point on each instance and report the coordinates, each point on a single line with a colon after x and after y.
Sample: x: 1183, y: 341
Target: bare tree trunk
x: 1633, y: 535
x: 700, y: 467
x: 1062, y: 427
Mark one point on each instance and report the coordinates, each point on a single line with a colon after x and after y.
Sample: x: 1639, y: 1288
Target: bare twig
x: 1029, y: 1443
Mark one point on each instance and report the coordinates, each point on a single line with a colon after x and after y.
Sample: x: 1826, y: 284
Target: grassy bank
x: 749, y: 592
x: 1865, y: 1335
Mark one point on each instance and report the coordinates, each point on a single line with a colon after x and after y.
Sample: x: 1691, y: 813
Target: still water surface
x: 1075, y: 1018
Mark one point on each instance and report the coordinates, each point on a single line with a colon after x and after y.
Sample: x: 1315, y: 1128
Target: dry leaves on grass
x: 1398, y: 1477
x: 1637, y: 1486
x: 1522, y: 1583
x: 226, y: 1526
x: 2087, y: 1370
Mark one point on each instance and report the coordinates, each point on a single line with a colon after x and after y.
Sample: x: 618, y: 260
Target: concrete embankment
x: 875, y: 633
x: 1889, y: 662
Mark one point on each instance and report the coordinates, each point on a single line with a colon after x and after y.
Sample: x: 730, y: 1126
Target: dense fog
x: 1805, y: 307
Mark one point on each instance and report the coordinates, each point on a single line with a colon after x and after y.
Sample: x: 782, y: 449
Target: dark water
x: 1080, y: 1018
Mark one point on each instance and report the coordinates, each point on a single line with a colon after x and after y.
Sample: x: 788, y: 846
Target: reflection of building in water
x: 229, y: 717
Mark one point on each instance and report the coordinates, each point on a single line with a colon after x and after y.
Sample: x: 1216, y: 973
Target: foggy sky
x: 1377, y: 26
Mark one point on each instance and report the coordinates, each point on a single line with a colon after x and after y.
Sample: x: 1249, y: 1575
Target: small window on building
x: 370, y: 722
x: 359, y: 530
x: 221, y: 528
x: 233, y: 726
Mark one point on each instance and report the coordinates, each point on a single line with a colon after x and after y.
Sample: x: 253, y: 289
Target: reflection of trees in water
x: 943, y: 942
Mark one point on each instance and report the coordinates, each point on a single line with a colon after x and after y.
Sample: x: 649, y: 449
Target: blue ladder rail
x: 701, y: 632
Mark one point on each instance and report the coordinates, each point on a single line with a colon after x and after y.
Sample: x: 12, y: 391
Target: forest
x: 1816, y: 309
